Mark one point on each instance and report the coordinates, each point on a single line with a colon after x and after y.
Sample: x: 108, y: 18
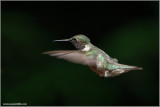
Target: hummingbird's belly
x: 100, y: 73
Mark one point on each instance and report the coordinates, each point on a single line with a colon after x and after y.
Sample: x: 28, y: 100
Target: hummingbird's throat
x: 86, y: 48
x: 79, y: 46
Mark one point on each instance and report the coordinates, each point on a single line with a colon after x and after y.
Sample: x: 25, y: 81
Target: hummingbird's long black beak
x: 61, y: 40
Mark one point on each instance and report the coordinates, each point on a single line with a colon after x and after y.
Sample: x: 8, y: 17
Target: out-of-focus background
x: 128, y: 31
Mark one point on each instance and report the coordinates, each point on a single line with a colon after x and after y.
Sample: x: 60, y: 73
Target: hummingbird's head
x: 79, y: 41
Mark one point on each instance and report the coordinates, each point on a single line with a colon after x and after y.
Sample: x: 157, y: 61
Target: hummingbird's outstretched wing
x: 72, y: 56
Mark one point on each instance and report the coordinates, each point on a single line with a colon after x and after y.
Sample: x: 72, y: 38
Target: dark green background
x: 128, y: 31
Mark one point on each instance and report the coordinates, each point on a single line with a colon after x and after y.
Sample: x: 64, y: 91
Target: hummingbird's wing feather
x: 72, y: 56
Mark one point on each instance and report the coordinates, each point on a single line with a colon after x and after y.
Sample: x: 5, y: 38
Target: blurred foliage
x: 128, y: 31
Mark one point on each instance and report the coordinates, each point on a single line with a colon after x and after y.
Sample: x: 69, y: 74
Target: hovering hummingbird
x: 88, y: 54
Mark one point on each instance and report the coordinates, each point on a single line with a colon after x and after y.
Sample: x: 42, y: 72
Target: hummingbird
x: 88, y: 54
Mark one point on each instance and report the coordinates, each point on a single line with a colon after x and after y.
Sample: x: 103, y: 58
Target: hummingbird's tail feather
x: 132, y: 68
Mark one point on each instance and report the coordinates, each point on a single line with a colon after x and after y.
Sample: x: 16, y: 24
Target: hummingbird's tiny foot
x: 106, y: 74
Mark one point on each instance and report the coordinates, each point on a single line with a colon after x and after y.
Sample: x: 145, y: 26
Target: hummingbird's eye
x: 74, y: 39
